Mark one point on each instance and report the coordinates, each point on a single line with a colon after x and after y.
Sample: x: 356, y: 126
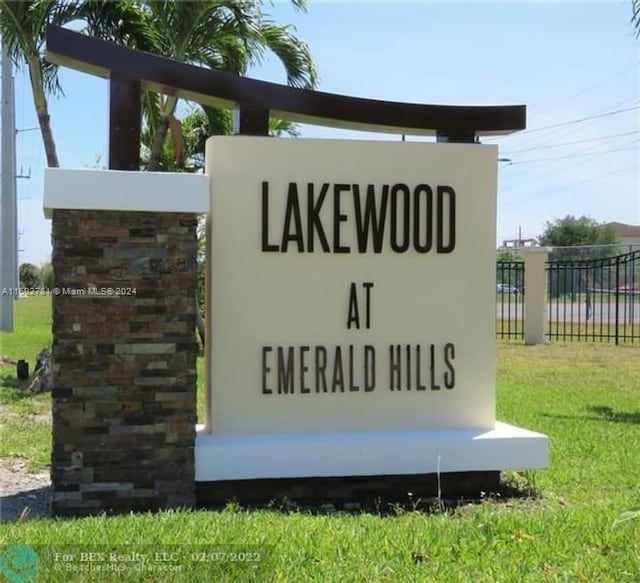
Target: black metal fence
x: 595, y: 299
x: 510, y: 299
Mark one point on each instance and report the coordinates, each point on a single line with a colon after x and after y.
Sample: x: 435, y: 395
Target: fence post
x: 535, y: 297
x: 618, y: 299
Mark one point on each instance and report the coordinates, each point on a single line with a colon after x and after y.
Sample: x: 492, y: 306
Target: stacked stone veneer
x: 124, y: 400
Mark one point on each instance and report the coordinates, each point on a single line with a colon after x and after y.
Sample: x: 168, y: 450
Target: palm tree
x: 23, y: 25
x: 228, y: 35
x: 185, y: 150
x: 635, y: 15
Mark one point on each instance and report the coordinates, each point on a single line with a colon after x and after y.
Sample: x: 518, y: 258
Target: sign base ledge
x: 246, y: 457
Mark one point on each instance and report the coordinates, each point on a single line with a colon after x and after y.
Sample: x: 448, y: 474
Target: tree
x: 596, y: 238
x: 227, y: 35
x: 198, y: 125
x: 508, y: 256
x: 576, y: 240
x: 46, y: 274
x: 29, y: 276
x: 510, y: 268
x: 23, y: 24
x: 635, y: 16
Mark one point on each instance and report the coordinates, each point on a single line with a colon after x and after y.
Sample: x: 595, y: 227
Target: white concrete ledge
x: 238, y: 457
x: 116, y: 190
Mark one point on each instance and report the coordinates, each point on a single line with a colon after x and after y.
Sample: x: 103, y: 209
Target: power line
x: 589, y: 88
x: 552, y: 161
x: 555, y: 128
x: 545, y: 165
x: 549, y: 173
x: 564, y: 157
x: 545, y: 139
x: 580, y: 182
x: 509, y: 153
x: 582, y: 119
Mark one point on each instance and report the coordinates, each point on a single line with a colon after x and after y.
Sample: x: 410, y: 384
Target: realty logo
x: 19, y: 564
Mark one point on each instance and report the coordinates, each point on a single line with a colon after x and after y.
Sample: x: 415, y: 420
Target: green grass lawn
x: 585, y: 397
x: 25, y: 428
x: 32, y: 329
x: 593, y: 331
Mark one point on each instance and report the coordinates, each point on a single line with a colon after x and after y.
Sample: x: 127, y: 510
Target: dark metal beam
x: 125, y: 110
x: 461, y: 137
x: 251, y: 120
x: 219, y: 89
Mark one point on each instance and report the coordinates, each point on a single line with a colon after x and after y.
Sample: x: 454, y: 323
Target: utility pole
x: 8, y: 207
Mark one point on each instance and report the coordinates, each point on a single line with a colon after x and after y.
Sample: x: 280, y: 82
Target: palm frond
x: 219, y: 121
x: 279, y: 127
x: 151, y: 113
x: 292, y: 52
x: 121, y: 21
x: 19, y: 29
x: 50, y: 79
x: 23, y: 25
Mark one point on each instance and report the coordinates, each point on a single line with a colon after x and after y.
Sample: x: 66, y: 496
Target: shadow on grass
x: 600, y: 413
x: 8, y: 379
x: 26, y: 505
x: 512, y: 486
x: 608, y: 414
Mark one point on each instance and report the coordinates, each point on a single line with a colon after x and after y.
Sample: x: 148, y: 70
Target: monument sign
x: 351, y: 308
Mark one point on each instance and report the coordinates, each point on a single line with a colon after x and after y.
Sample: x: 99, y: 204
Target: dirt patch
x: 6, y: 360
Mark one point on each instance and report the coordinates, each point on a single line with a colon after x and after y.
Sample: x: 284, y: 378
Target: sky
x: 576, y: 66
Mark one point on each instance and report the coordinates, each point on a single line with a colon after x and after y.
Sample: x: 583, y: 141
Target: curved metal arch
x: 220, y: 89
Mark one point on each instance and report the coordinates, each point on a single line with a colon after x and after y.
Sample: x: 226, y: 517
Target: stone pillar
x: 535, y: 297
x: 124, y: 358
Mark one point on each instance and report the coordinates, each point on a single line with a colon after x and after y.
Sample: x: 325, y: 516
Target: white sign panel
x: 353, y: 286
